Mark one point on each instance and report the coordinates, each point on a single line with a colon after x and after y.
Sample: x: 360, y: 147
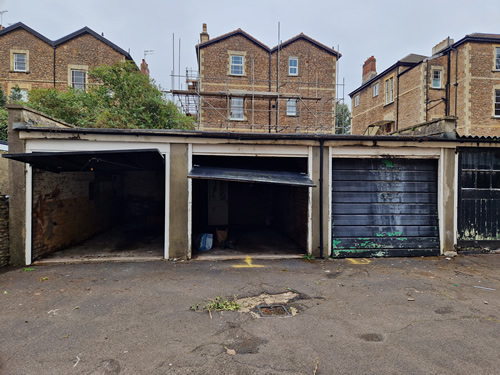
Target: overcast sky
x: 388, y: 30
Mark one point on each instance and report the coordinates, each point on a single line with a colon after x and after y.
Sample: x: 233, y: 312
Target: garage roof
x: 78, y: 161
x: 251, y: 175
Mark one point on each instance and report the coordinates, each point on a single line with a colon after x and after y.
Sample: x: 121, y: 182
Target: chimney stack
x: 204, y: 37
x: 144, y: 68
x: 369, y: 69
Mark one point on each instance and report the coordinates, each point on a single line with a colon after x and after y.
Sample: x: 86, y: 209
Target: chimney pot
x: 204, y: 37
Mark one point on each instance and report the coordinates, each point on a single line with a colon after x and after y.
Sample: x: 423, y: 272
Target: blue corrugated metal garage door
x: 384, y: 207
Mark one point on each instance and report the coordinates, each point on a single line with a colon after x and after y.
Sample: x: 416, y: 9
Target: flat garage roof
x: 79, y: 161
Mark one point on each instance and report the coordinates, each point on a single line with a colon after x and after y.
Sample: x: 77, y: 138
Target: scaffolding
x: 271, y: 106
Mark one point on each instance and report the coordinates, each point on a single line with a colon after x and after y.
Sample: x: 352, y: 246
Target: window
x: 389, y: 90
x: 17, y: 93
x: 78, y: 79
x: 237, y: 110
x: 436, y: 79
x: 237, y: 65
x: 356, y: 100
x: 293, y: 66
x: 20, y: 62
x: 24, y: 95
x: 291, y: 107
x: 375, y: 90
x: 497, y: 58
x: 497, y: 103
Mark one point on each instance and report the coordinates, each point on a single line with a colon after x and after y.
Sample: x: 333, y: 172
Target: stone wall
x: 316, y: 79
x: 68, y: 208
x: 40, y: 61
x: 472, y: 85
x: 4, y: 231
x: 48, y: 66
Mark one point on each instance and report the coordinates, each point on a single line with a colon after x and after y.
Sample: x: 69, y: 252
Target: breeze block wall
x: 68, y: 208
x: 4, y: 231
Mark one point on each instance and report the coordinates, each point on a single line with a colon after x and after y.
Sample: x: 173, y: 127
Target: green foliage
x: 121, y: 97
x: 3, y: 98
x: 218, y: 304
x: 3, y: 124
x: 15, y: 94
x: 308, y: 256
x: 343, y: 119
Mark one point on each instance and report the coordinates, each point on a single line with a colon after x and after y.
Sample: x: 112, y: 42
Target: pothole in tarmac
x: 264, y: 305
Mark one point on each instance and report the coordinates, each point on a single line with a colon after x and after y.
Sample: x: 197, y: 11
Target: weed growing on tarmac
x: 218, y: 304
x: 308, y: 256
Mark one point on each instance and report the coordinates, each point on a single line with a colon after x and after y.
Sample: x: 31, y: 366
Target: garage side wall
x: 68, y: 208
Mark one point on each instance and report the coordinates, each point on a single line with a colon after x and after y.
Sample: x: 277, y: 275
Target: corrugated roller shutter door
x: 384, y: 207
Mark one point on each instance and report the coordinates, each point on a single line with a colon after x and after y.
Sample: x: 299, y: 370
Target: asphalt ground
x: 366, y: 316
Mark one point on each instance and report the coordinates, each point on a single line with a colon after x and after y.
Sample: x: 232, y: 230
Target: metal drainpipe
x: 456, y: 84
x: 397, y: 103
x: 447, y: 104
x: 321, y: 147
x: 54, y: 47
x: 270, y: 100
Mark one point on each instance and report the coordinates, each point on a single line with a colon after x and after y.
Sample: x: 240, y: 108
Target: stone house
x: 30, y: 60
x: 246, y: 86
x: 458, y: 82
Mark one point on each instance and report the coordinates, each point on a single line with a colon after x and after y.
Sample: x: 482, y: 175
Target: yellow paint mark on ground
x: 248, y: 264
x: 359, y: 261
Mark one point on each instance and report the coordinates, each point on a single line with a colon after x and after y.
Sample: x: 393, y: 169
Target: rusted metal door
x: 384, y: 207
x: 479, y: 198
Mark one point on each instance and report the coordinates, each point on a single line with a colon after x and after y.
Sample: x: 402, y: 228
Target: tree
x: 3, y: 116
x: 3, y: 98
x: 121, y: 97
x: 343, y: 119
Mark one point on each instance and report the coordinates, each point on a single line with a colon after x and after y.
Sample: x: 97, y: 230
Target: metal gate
x: 479, y: 198
x: 384, y: 207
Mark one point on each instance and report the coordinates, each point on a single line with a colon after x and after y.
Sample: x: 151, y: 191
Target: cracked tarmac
x: 376, y: 316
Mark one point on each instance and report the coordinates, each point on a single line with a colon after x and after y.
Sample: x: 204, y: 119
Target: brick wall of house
x: 411, y: 98
x: 84, y: 50
x: 68, y: 208
x: 476, y: 81
x: 214, y: 68
x: 4, y: 231
x: 41, y: 57
x: 481, y: 82
x: 316, y: 78
x: 373, y: 109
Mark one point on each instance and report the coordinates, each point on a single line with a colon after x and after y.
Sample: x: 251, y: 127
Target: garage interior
x: 93, y: 205
x: 250, y: 205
